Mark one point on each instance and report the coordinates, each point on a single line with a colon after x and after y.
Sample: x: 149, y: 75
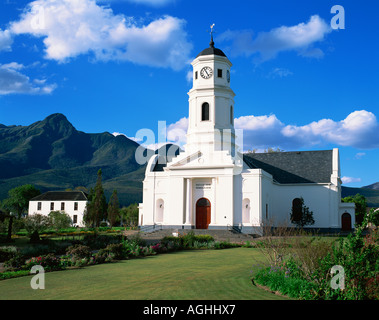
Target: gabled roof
x: 294, y: 167
x: 61, y: 196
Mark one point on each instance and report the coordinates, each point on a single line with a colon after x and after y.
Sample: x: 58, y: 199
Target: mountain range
x: 52, y: 155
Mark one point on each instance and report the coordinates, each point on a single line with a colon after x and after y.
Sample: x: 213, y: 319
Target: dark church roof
x: 211, y: 50
x: 61, y: 196
x: 294, y: 167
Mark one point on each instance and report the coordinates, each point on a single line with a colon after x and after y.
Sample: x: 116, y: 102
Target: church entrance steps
x: 218, y: 235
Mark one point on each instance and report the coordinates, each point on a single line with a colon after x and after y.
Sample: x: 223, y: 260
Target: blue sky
x: 123, y: 65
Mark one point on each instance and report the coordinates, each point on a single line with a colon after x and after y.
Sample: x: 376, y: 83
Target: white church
x: 211, y: 185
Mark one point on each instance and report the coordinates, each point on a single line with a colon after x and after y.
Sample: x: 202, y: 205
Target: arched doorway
x: 203, y: 213
x: 346, y: 222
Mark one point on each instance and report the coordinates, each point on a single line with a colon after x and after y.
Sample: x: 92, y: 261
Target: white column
x: 188, y: 201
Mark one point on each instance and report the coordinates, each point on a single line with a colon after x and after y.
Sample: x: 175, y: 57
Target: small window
x: 51, y: 206
x: 219, y: 73
x: 39, y: 206
x: 62, y: 206
x: 231, y: 115
x: 75, y: 206
x: 75, y: 219
x: 205, y: 112
x: 196, y: 75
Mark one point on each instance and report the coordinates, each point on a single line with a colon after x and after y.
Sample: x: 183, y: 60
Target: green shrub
x: 16, y: 262
x: 79, y: 254
x: 7, y: 253
x: 48, y: 262
x: 13, y: 274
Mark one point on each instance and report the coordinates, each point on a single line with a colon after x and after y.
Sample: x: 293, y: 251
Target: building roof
x: 61, y: 196
x: 211, y: 50
x: 294, y: 167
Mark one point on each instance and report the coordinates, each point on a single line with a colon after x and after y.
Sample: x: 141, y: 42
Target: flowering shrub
x: 359, y: 257
x: 48, y: 262
x: 79, y: 254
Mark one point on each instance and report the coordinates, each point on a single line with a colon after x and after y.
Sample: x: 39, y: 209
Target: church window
x: 52, y: 206
x: 39, y: 206
x: 196, y: 75
x: 219, y: 73
x: 62, y: 206
x: 205, y: 112
x: 231, y: 115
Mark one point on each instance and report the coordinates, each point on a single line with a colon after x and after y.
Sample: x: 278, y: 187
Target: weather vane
x: 211, y: 32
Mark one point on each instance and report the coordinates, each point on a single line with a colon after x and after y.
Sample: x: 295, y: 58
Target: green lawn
x: 185, y: 275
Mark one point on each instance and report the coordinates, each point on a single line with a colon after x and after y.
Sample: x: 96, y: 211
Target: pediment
x: 185, y: 160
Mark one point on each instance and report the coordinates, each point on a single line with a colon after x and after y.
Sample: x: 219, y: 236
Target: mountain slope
x: 374, y: 186
x: 53, y: 155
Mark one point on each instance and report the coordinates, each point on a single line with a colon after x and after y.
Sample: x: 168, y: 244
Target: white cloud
x: 360, y: 155
x: 153, y: 3
x: 5, y: 40
x: 359, y: 129
x: 12, y: 81
x: 279, y: 73
x: 300, y: 38
x: 347, y: 180
x: 70, y: 28
x: 176, y: 132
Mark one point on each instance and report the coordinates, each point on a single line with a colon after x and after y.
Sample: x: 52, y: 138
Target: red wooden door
x: 346, y: 222
x: 203, y: 214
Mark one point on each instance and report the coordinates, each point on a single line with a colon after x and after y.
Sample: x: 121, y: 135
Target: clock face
x: 206, y: 72
x: 228, y: 75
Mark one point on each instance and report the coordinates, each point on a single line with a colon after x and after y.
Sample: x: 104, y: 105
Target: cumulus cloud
x: 347, y: 180
x: 12, y: 81
x: 300, y: 38
x: 359, y: 129
x: 5, y: 40
x: 154, y: 3
x: 70, y: 28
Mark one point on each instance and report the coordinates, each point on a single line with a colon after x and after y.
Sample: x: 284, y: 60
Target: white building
x: 71, y: 202
x: 211, y: 186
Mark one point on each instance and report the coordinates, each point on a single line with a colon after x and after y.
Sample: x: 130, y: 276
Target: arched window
x: 297, y: 205
x: 205, y: 112
x: 231, y: 115
x: 160, y: 211
x: 246, y: 211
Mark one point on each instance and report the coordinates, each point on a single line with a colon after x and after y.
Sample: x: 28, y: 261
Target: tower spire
x: 212, y: 44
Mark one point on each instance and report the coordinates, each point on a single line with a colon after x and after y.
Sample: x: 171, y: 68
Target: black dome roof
x: 211, y: 50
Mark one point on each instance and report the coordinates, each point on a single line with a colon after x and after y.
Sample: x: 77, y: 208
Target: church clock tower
x: 211, y: 103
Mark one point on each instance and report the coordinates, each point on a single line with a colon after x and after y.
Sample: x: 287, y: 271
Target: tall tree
x: 360, y: 206
x: 18, y: 202
x: 99, y: 203
x: 301, y: 215
x: 113, y: 209
x: 18, y: 198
